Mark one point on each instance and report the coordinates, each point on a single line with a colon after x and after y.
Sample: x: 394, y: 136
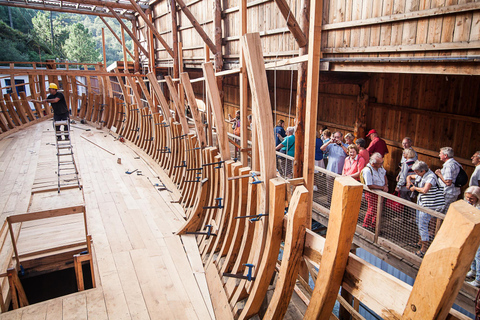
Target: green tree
x: 79, y: 46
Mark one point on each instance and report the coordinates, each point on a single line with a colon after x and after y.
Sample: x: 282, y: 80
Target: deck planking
x: 142, y: 269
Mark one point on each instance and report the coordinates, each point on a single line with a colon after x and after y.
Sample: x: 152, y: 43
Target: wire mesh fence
x: 384, y: 218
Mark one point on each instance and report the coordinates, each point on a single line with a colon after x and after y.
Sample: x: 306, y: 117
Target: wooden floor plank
x: 96, y: 308
x: 75, y: 307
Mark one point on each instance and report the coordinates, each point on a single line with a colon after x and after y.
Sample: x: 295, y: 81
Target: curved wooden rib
x: 266, y: 268
x: 292, y: 255
x: 200, y: 128
x: 197, y: 211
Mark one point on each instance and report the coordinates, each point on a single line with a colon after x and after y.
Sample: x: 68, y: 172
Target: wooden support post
x: 180, y: 70
x: 152, y: 28
x: 379, y: 217
x: 159, y: 94
x: 103, y: 49
x: 208, y: 107
x: 124, y: 26
x: 216, y: 104
x: 443, y: 269
x: 77, y: 263
x: 346, y: 199
x: 243, y: 88
x: 115, y: 35
x: 136, y: 60
x: 197, y: 26
x: 125, y: 62
x: 217, y: 21
x: 313, y: 73
x: 301, y: 96
x: 151, y: 46
x: 292, y: 255
x: 19, y: 298
x: 361, y: 111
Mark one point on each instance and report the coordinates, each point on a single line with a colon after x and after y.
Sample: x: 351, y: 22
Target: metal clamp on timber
x: 121, y: 112
x: 130, y: 172
x: 255, y: 178
x: 243, y: 177
x: 198, y: 148
x: 208, y: 233
x: 166, y: 150
x: 248, y: 277
x: 197, y: 179
x: 163, y: 124
x: 253, y: 218
x: 184, y: 164
x: 179, y: 137
x: 149, y: 139
x: 146, y: 115
x: 195, y: 169
x: 218, y: 206
x: 214, y: 163
x: 138, y: 129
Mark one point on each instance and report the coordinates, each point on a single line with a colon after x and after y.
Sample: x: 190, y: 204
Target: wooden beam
x: 151, y: 27
x: 103, y: 48
x: 420, y: 14
x: 261, y: 109
x: 301, y: 97
x: 313, y: 74
x: 47, y: 7
x: 173, y: 8
x: 136, y: 60
x: 124, y: 26
x: 292, y: 255
x: 178, y: 106
x: 346, y: 200
x: 216, y: 104
x: 192, y: 101
x: 266, y: 267
x: 217, y: 21
x: 124, y: 47
x: 243, y: 88
x: 197, y: 26
x: 45, y: 214
x: 292, y: 22
x: 443, y: 269
x: 115, y: 35
x: 161, y: 98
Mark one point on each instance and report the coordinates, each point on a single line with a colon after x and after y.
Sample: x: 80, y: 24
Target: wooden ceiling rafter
x: 197, y: 26
x: 150, y: 25
x: 132, y: 36
x: 292, y: 23
x: 78, y: 8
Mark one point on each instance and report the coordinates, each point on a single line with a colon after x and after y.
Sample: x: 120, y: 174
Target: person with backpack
x: 374, y: 176
x: 451, y: 177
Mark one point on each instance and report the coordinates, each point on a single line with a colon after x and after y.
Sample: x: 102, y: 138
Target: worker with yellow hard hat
x: 59, y: 105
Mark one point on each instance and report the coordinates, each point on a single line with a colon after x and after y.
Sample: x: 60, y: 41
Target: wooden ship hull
x: 173, y: 217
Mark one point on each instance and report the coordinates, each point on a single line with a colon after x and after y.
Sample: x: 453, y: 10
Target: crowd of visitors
x: 434, y: 190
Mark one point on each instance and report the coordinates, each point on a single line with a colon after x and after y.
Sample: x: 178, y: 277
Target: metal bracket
x: 208, y: 233
x: 182, y: 166
x: 218, y: 206
x: 179, y: 137
x: 248, y: 277
x: 166, y: 150
x: 253, y: 218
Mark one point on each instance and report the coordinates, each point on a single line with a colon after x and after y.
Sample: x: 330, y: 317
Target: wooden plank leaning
x: 442, y: 272
x: 347, y: 196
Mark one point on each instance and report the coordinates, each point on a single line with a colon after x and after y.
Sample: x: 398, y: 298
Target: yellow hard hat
x: 53, y: 86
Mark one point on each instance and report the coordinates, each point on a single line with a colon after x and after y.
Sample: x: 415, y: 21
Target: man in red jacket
x: 376, y: 144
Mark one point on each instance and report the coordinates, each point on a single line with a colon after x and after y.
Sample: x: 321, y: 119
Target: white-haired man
x: 407, y: 144
x: 475, y: 178
x: 447, y: 176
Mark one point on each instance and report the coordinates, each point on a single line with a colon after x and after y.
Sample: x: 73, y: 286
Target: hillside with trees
x: 32, y: 35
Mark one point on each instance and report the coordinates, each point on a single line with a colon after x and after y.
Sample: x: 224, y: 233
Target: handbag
x: 393, y: 205
x: 433, y: 199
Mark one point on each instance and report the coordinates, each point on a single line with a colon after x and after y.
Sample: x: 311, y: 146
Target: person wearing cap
x: 59, y: 105
x: 376, y: 144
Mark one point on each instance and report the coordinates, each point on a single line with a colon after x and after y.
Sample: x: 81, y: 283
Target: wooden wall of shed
x: 434, y: 110
x: 352, y: 28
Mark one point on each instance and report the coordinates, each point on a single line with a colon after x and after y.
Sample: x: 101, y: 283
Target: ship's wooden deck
x: 142, y: 269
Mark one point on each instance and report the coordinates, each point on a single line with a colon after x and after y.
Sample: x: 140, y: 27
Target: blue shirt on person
x: 336, y: 158
x: 318, y: 152
x: 281, y: 131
